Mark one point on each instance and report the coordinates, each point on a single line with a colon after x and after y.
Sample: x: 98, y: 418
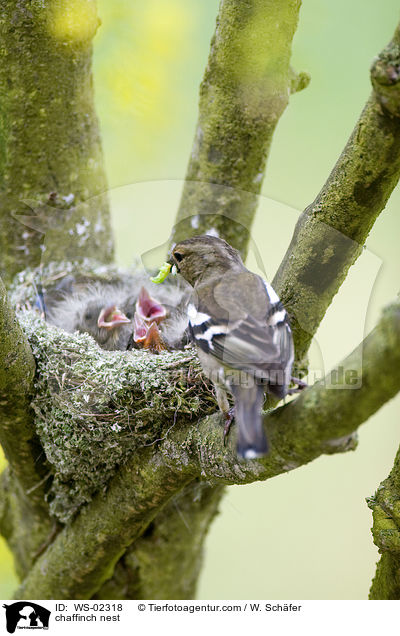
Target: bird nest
x: 92, y: 407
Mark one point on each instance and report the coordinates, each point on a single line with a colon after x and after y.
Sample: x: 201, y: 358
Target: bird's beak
x: 148, y: 337
x: 149, y: 309
x: 174, y: 265
x: 153, y: 340
x: 111, y: 317
x: 140, y: 329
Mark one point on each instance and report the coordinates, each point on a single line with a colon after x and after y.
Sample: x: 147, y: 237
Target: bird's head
x: 200, y: 255
x: 101, y: 320
x: 149, y: 309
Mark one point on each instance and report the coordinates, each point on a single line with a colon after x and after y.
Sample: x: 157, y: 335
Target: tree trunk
x: 50, y: 150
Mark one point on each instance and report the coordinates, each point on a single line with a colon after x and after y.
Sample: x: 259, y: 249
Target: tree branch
x: 25, y: 520
x: 166, y: 560
x: 385, y: 506
x: 321, y: 420
x: 245, y: 89
x: 83, y: 555
x: 330, y: 233
x: 27, y: 528
x: 17, y: 432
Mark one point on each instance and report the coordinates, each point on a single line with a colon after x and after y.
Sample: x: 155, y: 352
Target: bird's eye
x: 178, y: 256
x: 128, y: 314
x: 88, y: 315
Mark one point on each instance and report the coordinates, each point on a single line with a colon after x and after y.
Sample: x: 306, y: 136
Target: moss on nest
x: 94, y: 407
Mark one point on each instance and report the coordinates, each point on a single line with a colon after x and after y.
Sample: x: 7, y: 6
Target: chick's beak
x: 146, y: 336
x: 111, y: 317
x: 153, y: 340
x: 140, y: 329
x: 148, y: 308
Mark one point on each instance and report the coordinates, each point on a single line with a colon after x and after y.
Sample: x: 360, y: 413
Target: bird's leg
x: 227, y: 411
x: 229, y: 415
x: 301, y: 385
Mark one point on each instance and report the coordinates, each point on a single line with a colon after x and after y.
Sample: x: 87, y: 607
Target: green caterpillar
x: 162, y: 274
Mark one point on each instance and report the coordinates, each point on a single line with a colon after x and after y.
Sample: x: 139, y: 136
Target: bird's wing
x: 246, y: 344
x: 247, y: 329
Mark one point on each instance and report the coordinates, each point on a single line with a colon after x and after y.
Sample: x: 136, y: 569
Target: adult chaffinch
x: 241, y: 330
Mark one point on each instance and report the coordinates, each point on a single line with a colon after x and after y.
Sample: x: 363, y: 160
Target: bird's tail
x: 252, y: 441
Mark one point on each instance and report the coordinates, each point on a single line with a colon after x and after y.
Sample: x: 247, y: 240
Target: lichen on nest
x: 94, y: 408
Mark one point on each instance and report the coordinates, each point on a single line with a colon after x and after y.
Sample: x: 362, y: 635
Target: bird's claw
x: 301, y: 385
x: 228, y: 415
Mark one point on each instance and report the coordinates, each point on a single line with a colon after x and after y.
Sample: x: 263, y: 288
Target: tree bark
x: 17, y: 370
x: 50, y: 150
x: 166, y: 561
x: 385, y: 506
x: 24, y: 485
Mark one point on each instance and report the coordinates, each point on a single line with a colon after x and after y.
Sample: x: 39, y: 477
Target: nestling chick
x: 147, y: 335
x: 148, y: 313
x: 96, y: 312
x: 106, y: 312
x: 158, y: 327
x: 241, y: 331
x: 168, y: 312
x: 107, y: 324
x: 174, y: 329
x: 149, y: 309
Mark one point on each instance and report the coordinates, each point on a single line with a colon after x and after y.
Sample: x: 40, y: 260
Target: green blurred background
x: 306, y: 534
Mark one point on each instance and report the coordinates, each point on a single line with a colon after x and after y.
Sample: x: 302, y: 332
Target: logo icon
x: 26, y: 615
